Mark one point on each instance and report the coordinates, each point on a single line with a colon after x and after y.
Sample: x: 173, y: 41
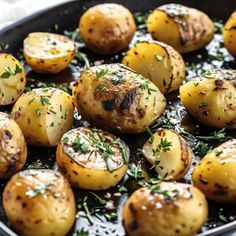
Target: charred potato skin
x: 13, y: 150
x: 143, y: 58
x: 147, y: 213
x: 188, y: 29
x: 52, y: 63
x: 39, y: 215
x: 79, y: 175
x: 107, y: 28
x: 127, y: 106
x: 12, y: 87
x: 181, y: 161
x: 215, y: 174
x: 44, y: 115
x: 211, y: 98
x: 229, y: 34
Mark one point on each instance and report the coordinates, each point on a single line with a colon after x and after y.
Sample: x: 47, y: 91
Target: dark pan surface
x: 66, y: 16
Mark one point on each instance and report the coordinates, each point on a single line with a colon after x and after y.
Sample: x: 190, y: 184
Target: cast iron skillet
x: 66, y: 16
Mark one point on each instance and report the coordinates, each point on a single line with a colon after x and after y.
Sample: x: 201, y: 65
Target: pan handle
x: 5, y: 231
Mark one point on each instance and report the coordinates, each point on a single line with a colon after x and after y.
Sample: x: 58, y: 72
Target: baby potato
x: 12, y: 79
x: 165, y: 209
x: 107, y: 28
x: 92, y: 159
x: 13, y: 150
x: 40, y: 203
x: 229, y: 34
x: 215, y: 174
x: 169, y: 153
x: 157, y: 61
x: 184, y: 28
x: 48, y: 52
x: 44, y: 115
x: 115, y: 98
x: 211, y: 98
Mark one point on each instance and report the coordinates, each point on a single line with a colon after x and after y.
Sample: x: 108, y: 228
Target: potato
x: 169, y: 154
x: 165, y: 209
x: 215, y: 174
x: 13, y: 150
x: 48, y: 52
x: 229, y: 34
x: 211, y: 98
x: 115, y: 98
x: 107, y: 28
x: 92, y: 159
x: 158, y: 62
x: 39, y: 202
x: 186, y: 29
x: 12, y: 79
x: 44, y: 115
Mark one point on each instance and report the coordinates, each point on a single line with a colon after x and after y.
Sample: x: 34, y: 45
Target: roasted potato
x: 48, y: 52
x: 12, y: 79
x: 186, y: 29
x: 115, y: 98
x: 13, y: 150
x: 92, y: 159
x: 158, y: 62
x: 229, y: 34
x: 39, y: 203
x: 107, y: 28
x: 211, y: 98
x: 44, y: 115
x: 169, y: 154
x: 215, y: 174
x: 165, y: 209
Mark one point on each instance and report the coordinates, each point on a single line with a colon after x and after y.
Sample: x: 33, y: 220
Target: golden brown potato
x: 186, y: 29
x: 169, y: 154
x: 115, y: 98
x: 39, y: 203
x: 158, y: 62
x: 48, y: 52
x: 44, y: 115
x: 215, y: 175
x: 107, y: 28
x: 92, y: 159
x: 12, y: 79
x: 211, y: 98
x: 229, y: 34
x: 165, y: 209
x: 13, y: 150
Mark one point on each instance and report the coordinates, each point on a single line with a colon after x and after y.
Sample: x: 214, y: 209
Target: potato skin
x: 182, y: 212
x: 48, y: 52
x: 211, y: 98
x: 39, y: 202
x: 107, y: 28
x: 88, y: 170
x: 229, y: 34
x: 120, y: 101
x: 173, y: 164
x: 159, y: 62
x: 215, y: 174
x: 186, y: 29
x: 44, y: 115
x: 13, y: 150
x: 11, y: 85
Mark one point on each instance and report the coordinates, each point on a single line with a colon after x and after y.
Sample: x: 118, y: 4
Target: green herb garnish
x: 8, y: 72
x: 101, y: 73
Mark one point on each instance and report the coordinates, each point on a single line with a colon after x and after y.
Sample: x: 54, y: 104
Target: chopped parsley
x: 38, y: 191
x: 44, y: 100
x: 8, y: 72
x: 101, y: 73
x: 80, y: 146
